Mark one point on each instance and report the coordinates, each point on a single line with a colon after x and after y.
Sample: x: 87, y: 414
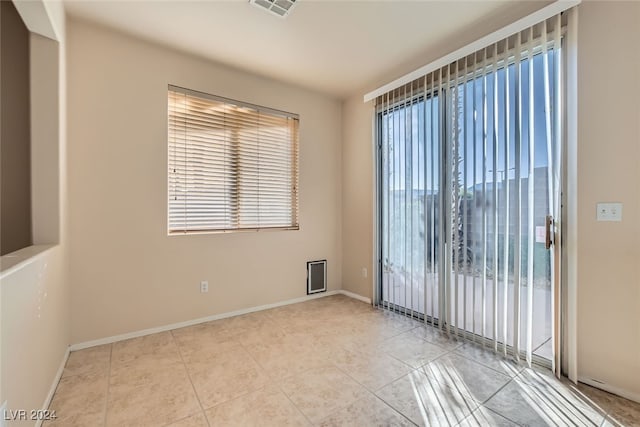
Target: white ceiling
x: 337, y: 47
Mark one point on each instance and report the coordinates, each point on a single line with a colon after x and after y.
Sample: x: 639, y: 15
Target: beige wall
x: 126, y: 274
x: 357, y: 196
x: 34, y: 286
x: 46, y: 167
x: 609, y: 170
x: 34, y: 327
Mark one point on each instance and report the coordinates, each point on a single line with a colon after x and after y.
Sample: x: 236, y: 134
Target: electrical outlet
x: 609, y: 212
x: 204, y: 286
x: 364, y: 272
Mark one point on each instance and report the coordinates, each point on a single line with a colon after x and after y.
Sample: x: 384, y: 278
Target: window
x: 233, y: 166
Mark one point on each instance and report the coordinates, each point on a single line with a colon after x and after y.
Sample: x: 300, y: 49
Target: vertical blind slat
x: 465, y: 207
x: 424, y: 200
x: 530, y: 201
x: 484, y: 202
x: 555, y: 182
x: 518, y: 207
x: 505, y: 253
x: 432, y: 228
x: 407, y: 208
x: 494, y: 206
x: 474, y: 172
x: 440, y: 212
x: 456, y: 207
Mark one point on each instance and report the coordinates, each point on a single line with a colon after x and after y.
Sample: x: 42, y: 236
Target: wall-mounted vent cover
x: 277, y: 7
x: 316, y: 276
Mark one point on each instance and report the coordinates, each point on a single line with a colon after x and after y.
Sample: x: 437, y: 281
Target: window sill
x: 17, y: 260
x: 239, y: 230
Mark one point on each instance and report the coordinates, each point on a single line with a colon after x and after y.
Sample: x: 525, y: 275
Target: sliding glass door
x: 469, y: 184
x: 410, y: 165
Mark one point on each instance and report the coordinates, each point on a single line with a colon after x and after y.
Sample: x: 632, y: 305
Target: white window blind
x: 232, y: 166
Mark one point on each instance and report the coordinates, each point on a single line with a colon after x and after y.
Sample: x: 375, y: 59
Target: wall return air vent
x: 316, y: 276
x: 277, y: 7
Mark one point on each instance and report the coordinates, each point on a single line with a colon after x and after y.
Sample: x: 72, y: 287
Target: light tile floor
x: 326, y: 362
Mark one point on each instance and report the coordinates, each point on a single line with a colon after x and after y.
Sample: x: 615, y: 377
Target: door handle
x: 548, y: 231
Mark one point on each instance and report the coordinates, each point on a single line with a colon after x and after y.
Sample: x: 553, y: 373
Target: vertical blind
x: 232, y: 166
x: 468, y: 172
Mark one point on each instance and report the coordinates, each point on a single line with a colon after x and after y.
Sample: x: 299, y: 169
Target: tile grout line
x: 552, y: 408
x: 385, y: 384
x: 594, y: 405
x: 181, y: 419
x: 423, y: 339
x: 277, y: 384
x: 411, y: 368
x: 281, y: 378
x: 490, y: 353
x: 447, y: 352
x: 294, y: 405
x: 453, y: 351
x: 465, y: 393
x: 301, y: 372
x: 568, y: 408
x: 106, y: 397
x: 354, y: 379
x: 375, y: 396
x: 482, y: 405
x: 499, y: 414
x: 358, y: 332
x: 607, y: 411
x: 496, y: 392
x: 193, y: 387
x: 374, y: 392
x: 471, y: 359
x: 246, y: 393
x: 540, y: 346
x: 463, y: 342
x: 394, y: 409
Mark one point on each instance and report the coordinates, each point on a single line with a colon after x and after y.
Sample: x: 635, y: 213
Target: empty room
x: 319, y: 213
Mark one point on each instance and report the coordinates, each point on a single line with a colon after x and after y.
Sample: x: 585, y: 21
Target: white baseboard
x: 355, y: 296
x: 135, y: 334
x: 54, y: 384
x: 141, y: 333
x: 611, y: 389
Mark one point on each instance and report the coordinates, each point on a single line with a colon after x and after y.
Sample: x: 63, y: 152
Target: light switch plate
x: 609, y: 212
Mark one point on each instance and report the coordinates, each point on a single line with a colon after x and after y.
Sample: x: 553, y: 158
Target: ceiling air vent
x: 277, y: 7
